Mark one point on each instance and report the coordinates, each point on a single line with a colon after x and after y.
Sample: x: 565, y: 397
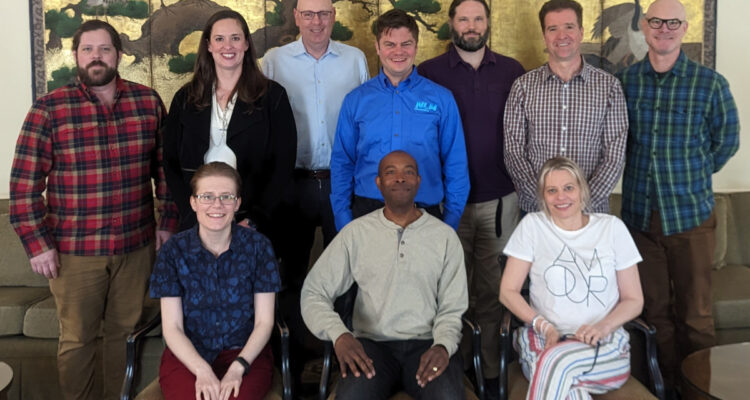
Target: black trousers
x: 396, y: 364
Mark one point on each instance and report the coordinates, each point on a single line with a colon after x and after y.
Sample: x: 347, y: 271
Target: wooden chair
x: 513, y: 385
x: 281, y: 386
x: 345, y: 307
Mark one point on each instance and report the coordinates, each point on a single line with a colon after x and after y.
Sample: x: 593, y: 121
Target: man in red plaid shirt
x: 94, y: 146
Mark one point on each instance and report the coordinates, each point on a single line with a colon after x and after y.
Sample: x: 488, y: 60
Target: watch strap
x: 244, y: 363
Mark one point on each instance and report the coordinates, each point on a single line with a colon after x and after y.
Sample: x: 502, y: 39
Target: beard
x: 102, y: 78
x: 470, y: 44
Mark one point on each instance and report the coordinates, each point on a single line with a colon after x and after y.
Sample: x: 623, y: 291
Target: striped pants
x: 560, y: 372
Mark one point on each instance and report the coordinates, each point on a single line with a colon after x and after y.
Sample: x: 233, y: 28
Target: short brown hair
x: 395, y: 19
x: 216, y: 168
x: 557, y: 5
x: 94, y: 25
x: 562, y: 164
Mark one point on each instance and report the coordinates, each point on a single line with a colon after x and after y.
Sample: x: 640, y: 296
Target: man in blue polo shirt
x: 398, y: 110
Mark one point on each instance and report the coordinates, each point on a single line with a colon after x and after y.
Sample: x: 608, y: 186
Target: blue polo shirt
x: 217, y: 292
x: 419, y: 117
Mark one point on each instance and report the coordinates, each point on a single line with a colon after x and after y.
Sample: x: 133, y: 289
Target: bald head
x: 666, y: 9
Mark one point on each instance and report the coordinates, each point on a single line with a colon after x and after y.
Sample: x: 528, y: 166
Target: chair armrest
x: 476, y: 351
x: 506, y: 352
x: 654, y: 373
x: 325, y: 372
x: 131, y: 349
x: 286, y: 372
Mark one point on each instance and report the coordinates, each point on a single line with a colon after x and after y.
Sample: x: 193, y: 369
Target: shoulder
x: 141, y: 90
x: 607, y: 221
x: 601, y: 76
x: 179, y: 243
x: 251, y: 236
x: 347, y: 50
x: 435, y: 62
x: 427, y: 86
x: 508, y: 62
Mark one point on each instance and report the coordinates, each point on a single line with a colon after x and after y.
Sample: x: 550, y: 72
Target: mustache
x: 95, y: 63
x: 470, y: 32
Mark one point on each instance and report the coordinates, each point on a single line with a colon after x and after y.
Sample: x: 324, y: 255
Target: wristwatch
x: 244, y: 363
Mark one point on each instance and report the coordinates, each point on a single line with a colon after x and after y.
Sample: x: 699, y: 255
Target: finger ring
x: 435, y: 369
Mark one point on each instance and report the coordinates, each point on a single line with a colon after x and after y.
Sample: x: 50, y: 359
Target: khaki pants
x: 482, y: 252
x: 676, y: 279
x: 87, y: 291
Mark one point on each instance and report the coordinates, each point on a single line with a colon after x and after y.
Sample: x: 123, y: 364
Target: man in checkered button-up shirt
x: 565, y: 108
x: 93, y: 145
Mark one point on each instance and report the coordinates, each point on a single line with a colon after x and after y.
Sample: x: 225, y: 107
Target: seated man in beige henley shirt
x: 409, y: 267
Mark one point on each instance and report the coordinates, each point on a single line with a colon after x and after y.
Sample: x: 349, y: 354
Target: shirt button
x: 396, y: 112
x: 402, y: 255
x: 403, y: 242
x: 397, y: 92
x: 564, y: 128
x: 564, y: 107
x: 395, y: 134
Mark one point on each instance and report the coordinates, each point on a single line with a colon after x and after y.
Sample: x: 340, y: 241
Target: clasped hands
x: 208, y: 386
x: 352, y: 357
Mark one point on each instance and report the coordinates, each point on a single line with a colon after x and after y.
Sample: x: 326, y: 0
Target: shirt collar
x: 679, y: 68
x: 583, y: 74
x: 196, y: 246
x: 454, y: 58
x: 405, y: 84
x: 392, y: 225
x: 299, y: 48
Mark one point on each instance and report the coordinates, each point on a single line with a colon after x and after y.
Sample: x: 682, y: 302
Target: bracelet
x: 244, y: 363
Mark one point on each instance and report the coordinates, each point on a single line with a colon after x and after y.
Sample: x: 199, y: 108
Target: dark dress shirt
x: 481, y: 96
x: 218, y: 307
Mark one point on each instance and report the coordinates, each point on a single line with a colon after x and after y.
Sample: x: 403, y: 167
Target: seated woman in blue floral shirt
x: 217, y: 284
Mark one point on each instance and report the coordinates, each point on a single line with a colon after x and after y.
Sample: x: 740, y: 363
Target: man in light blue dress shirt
x: 317, y: 73
x: 399, y: 110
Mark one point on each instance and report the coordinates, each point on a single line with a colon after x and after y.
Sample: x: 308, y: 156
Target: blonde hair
x: 570, y: 166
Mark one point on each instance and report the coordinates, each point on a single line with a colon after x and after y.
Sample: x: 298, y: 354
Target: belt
x: 313, y: 173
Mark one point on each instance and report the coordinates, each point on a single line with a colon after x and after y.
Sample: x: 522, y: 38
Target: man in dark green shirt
x: 683, y: 128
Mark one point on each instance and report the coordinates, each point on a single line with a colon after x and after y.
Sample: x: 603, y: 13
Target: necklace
x: 224, y: 115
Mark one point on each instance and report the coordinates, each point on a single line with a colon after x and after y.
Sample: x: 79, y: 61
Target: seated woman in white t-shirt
x: 584, y: 286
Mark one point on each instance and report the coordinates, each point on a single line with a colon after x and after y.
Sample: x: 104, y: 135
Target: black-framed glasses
x: 672, y: 24
x: 324, y: 15
x: 225, y: 199
x: 596, y: 351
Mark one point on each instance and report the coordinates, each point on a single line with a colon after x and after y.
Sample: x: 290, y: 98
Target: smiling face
x: 227, y: 44
x: 215, y: 216
x: 315, y: 32
x: 662, y: 41
x: 562, y: 195
x: 398, y: 179
x: 562, y: 35
x: 96, y: 58
x: 469, y: 28
x: 397, y: 48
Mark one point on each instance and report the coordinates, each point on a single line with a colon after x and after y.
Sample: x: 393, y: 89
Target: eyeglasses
x: 209, y: 198
x: 323, y: 15
x: 596, y: 352
x: 672, y: 24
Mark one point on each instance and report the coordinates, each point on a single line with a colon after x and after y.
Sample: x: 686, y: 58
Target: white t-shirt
x: 573, y: 273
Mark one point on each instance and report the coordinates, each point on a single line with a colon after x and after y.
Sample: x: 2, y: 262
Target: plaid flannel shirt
x: 683, y: 128
x: 96, y: 164
x: 584, y: 119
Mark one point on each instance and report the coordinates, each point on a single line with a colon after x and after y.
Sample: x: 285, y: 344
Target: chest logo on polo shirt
x: 425, y: 106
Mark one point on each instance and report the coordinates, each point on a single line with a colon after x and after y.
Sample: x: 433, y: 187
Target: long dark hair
x: 252, y: 83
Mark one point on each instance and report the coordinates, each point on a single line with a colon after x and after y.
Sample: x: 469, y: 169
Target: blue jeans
x: 396, y: 364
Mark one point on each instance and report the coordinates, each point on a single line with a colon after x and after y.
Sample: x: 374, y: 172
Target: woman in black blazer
x: 230, y: 112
